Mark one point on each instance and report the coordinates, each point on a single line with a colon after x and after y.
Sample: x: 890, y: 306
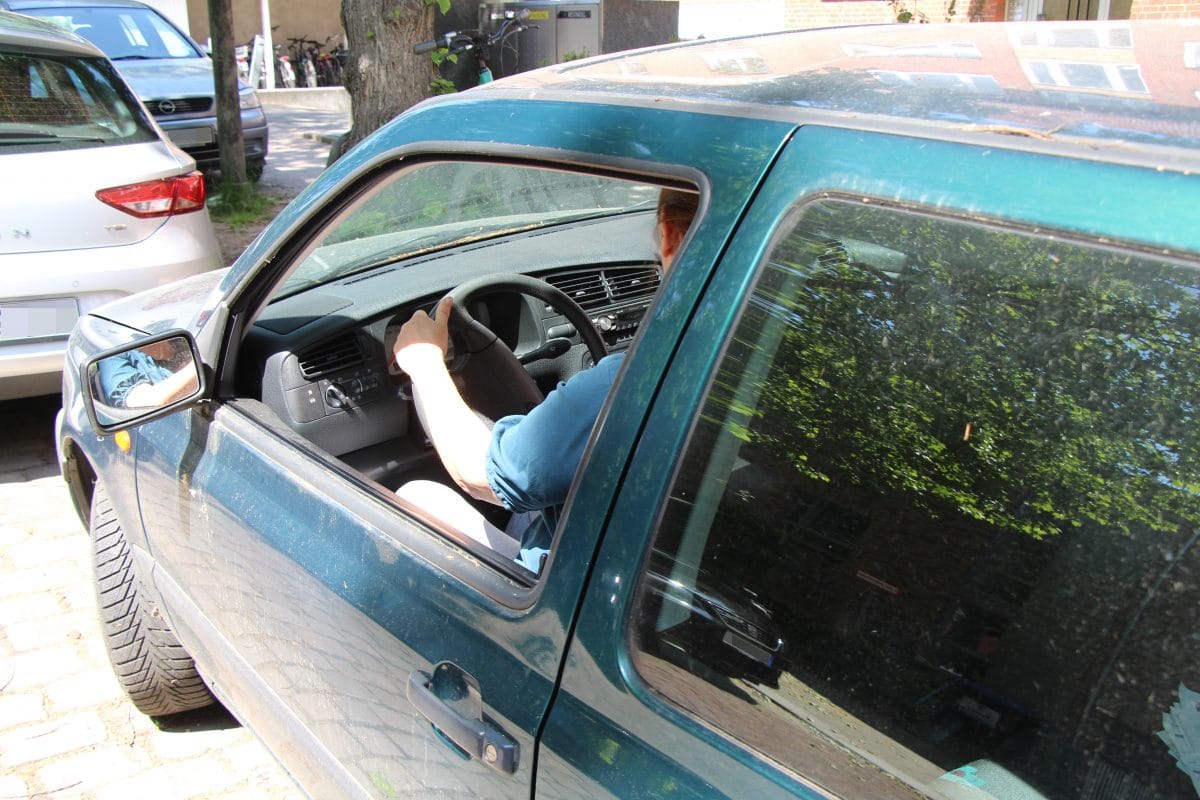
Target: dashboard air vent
x: 585, y: 288
x: 331, y: 355
x: 630, y: 283
x: 594, y: 289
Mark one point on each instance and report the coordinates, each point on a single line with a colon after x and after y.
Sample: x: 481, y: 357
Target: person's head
x: 165, y: 351
x: 676, y: 209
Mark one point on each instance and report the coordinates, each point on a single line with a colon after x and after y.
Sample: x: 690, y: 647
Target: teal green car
x: 896, y: 493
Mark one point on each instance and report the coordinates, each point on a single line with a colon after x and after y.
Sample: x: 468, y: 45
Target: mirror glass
x: 143, y: 379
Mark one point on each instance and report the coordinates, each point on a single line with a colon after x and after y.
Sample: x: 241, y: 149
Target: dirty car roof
x: 1111, y: 84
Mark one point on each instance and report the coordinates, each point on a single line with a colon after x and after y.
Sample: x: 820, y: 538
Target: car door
x: 922, y: 412
x: 353, y: 638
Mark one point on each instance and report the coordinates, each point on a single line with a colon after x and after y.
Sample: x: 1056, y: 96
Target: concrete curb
x: 325, y: 98
x: 327, y: 137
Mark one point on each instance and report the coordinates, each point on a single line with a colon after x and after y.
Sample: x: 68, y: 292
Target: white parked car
x: 97, y: 203
x: 170, y: 73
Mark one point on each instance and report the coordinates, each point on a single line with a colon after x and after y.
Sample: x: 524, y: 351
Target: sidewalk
x: 299, y: 141
x: 319, y: 114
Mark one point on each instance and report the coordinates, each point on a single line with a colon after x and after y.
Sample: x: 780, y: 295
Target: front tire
x: 149, y: 662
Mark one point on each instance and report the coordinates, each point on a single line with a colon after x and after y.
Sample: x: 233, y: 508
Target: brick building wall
x: 1164, y: 9
x: 815, y: 13
x: 309, y: 19
x: 811, y: 13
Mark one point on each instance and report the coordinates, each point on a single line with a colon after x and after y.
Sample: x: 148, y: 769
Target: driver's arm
x: 461, y: 438
x: 150, y: 394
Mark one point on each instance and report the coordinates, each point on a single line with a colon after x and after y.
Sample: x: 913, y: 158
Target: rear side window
x: 62, y: 103
x: 936, y: 529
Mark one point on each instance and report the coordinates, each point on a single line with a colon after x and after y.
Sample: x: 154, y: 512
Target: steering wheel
x: 494, y: 382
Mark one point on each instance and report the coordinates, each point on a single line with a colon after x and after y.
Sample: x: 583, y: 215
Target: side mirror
x: 142, y: 381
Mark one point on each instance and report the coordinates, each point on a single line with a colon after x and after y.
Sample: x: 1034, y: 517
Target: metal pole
x: 268, y: 45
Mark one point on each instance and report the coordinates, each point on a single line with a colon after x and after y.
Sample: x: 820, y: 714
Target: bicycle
x: 333, y: 63
x: 455, y: 42
x: 241, y: 55
x: 316, y: 64
x: 284, y: 73
x: 304, y: 54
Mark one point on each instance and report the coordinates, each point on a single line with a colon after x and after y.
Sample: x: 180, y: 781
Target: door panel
x: 311, y: 600
x: 309, y: 603
x: 731, y: 740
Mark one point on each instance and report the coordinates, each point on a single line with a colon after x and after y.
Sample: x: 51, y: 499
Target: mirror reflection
x: 148, y: 377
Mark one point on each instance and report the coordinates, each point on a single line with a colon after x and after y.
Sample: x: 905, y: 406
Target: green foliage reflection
x: 1024, y: 382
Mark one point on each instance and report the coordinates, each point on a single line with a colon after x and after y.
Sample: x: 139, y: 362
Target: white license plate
x: 34, y: 319
x: 191, y: 137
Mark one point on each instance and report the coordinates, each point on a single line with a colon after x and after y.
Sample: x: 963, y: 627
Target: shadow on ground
x: 27, y: 438
x: 210, y: 718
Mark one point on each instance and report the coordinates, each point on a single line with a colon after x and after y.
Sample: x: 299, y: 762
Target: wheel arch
x: 80, y: 475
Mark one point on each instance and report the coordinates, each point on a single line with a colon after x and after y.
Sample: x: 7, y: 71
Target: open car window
x: 321, y: 351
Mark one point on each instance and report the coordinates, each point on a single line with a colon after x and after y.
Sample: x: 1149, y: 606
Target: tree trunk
x: 230, y: 142
x: 382, y: 74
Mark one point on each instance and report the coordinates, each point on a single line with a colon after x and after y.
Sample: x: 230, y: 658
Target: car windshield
x: 59, y: 103
x: 438, y: 205
x: 123, y: 33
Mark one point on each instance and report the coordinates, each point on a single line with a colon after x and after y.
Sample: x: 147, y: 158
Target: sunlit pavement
x: 299, y: 146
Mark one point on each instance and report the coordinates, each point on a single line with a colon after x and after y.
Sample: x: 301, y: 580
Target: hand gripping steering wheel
x: 495, y: 383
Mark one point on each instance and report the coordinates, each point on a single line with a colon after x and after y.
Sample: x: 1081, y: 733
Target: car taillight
x: 160, y: 198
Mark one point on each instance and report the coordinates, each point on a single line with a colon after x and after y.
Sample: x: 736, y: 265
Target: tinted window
x: 56, y: 103
x: 935, y: 532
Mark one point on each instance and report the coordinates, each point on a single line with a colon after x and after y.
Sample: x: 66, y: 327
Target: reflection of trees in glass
x: 1029, y: 384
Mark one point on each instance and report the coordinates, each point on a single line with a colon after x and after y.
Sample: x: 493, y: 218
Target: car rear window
x: 65, y: 103
x: 123, y: 33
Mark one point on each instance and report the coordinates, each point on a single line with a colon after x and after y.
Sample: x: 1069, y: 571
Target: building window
x: 1046, y: 35
x: 1083, y: 76
x: 940, y: 81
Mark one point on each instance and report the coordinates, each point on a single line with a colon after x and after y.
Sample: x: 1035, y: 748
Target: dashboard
x: 321, y: 359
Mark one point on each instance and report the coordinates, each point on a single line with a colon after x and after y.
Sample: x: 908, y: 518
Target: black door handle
x: 440, y: 695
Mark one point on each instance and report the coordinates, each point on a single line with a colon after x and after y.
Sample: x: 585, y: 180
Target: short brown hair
x: 677, y: 207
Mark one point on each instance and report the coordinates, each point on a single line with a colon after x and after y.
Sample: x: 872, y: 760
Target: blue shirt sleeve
x: 533, y: 457
x: 119, y: 374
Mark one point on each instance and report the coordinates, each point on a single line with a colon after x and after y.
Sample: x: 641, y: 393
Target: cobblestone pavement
x: 66, y: 729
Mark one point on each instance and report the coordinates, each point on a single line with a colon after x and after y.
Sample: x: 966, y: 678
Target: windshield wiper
x: 43, y: 137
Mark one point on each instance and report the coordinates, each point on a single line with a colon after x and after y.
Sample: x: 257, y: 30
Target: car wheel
x: 254, y: 169
x: 150, y: 663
